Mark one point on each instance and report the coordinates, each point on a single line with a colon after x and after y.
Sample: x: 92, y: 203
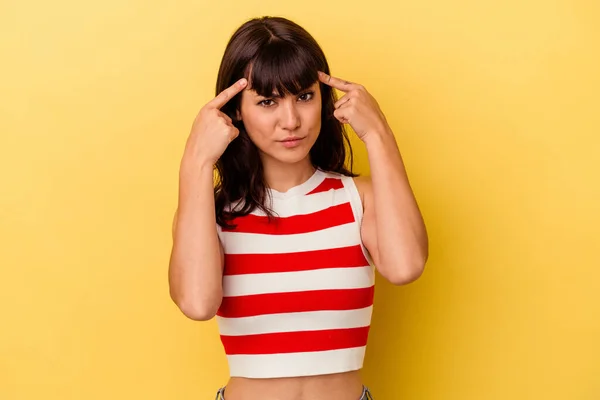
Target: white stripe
x: 255, y: 243
x: 295, y: 322
x: 298, y: 281
x: 302, y: 205
x: 296, y: 364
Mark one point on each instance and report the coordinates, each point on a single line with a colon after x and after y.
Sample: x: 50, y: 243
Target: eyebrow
x: 274, y: 95
x: 278, y: 96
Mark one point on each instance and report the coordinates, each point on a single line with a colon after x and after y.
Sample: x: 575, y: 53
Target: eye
x: 306, y: 96
x: 266, y: 103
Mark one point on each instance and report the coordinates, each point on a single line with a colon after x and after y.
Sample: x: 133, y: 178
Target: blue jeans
x: 366, y: 395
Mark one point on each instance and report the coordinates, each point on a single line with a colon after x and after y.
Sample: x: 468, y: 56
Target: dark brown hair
x: 276, y: 55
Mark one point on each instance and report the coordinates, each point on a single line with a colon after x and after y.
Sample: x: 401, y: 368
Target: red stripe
x: 327, y: 184
x: 327, y: 218
x: 277, y: 303
x: 295, y: 342
x: 343, y: 257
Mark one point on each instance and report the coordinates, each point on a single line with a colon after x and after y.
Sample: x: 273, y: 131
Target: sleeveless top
x: 298, y: 287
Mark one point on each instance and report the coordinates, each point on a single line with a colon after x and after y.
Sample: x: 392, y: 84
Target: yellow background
x: 496, y: 109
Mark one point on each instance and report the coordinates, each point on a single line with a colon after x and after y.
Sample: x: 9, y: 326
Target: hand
x: 357, y: 107
x: 212, y: 130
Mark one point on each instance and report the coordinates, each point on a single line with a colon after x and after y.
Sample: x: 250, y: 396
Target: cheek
x: 258, y: 123
x: 312, y: 117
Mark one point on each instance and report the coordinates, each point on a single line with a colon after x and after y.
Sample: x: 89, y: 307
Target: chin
x: 290, y: 157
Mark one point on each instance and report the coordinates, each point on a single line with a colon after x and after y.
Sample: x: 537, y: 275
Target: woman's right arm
x: 196, y: 264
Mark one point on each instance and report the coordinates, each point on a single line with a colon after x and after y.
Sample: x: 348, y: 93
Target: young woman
x: 283, y: 250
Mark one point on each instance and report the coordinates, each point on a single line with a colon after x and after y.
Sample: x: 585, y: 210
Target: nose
x: 290, y: 117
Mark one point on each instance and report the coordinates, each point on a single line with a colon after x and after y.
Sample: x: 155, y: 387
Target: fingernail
x: 243, y: 82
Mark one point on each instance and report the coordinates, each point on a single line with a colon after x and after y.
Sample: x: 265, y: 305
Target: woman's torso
x: 298, y: 294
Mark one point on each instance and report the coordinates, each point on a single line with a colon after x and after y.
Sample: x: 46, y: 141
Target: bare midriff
x: 343, y: 386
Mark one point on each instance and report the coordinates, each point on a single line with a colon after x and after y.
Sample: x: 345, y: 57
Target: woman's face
x: 283, y: 128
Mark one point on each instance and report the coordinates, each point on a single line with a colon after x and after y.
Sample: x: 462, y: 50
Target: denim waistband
x: 366, y: 394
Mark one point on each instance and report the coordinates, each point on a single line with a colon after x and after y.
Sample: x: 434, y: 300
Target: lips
x: 291, y: 141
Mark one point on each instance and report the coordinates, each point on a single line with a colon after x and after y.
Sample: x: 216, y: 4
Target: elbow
x: 403, y: 273
x: 196, y: 313
x: 404, y: 277
x: 196, y: 309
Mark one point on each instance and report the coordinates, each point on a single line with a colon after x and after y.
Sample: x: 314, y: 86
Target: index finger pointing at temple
x: 337, y: 83
x: 227, y: 94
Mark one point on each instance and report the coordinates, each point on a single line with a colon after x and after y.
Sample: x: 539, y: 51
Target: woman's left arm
x: 393, y: 229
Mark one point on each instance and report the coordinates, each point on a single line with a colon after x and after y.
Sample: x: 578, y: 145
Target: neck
x: 284, y: 176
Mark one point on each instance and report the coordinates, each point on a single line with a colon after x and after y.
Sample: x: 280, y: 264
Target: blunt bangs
x: 282, y: 68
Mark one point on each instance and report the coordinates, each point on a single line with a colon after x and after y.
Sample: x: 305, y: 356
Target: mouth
x: 291, y: 141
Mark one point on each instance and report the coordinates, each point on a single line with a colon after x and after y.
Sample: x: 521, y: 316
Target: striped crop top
x: 298, y: 288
